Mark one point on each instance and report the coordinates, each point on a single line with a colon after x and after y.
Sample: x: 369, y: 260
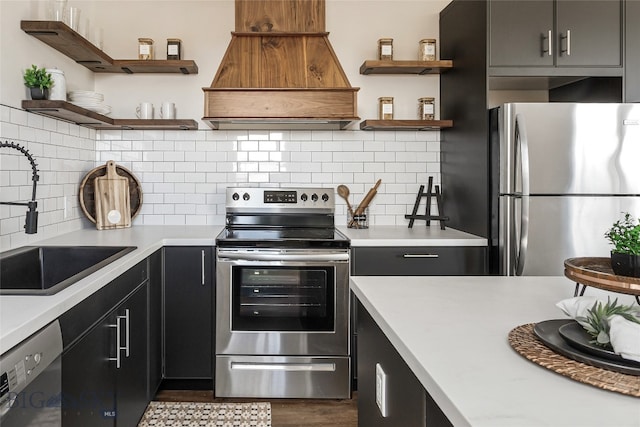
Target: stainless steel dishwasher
x: 31, y: 381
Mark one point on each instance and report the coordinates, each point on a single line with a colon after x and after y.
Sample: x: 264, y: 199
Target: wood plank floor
x: 284, y: 412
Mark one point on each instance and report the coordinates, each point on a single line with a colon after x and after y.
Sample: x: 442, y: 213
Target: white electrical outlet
x: 381, y: 390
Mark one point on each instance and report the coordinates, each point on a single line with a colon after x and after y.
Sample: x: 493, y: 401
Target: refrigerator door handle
x: 522, y: 159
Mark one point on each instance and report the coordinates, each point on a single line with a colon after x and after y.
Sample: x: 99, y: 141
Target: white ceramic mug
x: 144, y: 110
x: 168, y: 110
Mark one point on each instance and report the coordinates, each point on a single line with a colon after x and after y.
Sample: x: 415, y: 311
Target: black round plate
x: 547, y: 331
x: 574, y: 334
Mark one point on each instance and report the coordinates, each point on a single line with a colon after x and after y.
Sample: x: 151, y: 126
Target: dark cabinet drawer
x: 418, y: 261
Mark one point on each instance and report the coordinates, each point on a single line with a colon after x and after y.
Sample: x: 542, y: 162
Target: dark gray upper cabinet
x: 589, y: 33
x: 517, y: 33
x: 560, y: 33
x: 632, y: 47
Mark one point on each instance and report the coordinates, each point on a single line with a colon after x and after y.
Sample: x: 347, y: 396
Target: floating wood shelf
x: 405, y: 124
x: 405, y: 67
x: 67, y: 41
x: 72, y: 113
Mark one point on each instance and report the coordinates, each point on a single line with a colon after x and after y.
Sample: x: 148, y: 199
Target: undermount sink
x: 46, y: 270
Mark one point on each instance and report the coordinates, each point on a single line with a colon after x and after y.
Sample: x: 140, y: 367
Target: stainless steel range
x: 282, y: 296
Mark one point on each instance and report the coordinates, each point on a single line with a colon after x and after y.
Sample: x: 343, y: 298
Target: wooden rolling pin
x: 365, y: 202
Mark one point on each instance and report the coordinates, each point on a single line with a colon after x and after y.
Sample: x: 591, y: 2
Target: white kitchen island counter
x: 452, y: 333
x: 21, y: 316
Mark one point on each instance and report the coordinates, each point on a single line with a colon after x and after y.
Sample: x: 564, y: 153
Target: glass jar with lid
x: 385, y: 49
x: 385, y: 108
x: 427, y: 50
x: 426, y: 108
x: 174, y: 49
x: 145, y: 48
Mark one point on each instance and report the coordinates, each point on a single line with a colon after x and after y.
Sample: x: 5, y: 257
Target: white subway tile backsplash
x: 184, y: 173
x: 64, y: 153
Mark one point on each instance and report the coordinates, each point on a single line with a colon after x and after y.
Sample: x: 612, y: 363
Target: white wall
x: 184, y: 173
x: 205, y: 30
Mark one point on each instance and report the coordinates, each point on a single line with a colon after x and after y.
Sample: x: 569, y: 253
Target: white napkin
x: 577, y: 307
x: 625, y: 337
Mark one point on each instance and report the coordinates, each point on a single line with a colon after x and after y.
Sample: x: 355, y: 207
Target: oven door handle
x: 283, y: 256
x: 291, y: 367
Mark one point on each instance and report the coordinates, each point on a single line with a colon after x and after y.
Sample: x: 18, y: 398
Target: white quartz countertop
x: 452, y: 332
x: 21, y: 316
x: 419, y: 235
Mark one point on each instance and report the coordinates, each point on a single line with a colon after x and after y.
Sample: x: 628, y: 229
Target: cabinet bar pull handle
x: 549, y: 44
x: 567, y: 50
x: 420, y: 256
x: 127, y: 334
x: 118, y: 348
x: 203, y: 267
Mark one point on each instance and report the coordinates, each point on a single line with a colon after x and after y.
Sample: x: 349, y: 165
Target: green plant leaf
x: 37, y: 77
x: 624, y: 235
x: 596, y: 322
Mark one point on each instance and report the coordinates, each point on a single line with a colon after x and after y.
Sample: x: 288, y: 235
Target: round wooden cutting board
x: 87, y: 191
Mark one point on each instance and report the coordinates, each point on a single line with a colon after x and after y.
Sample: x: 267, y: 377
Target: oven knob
x: 246, y: 196
x: 304, y: 197
x: 314, y: 197
x: 325, y: 197
x: 235, y: 196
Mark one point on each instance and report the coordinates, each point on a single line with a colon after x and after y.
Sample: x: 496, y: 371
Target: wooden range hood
x: 280, y: 70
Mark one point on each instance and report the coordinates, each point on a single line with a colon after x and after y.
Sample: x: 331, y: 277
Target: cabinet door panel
x: 88, y: 383
x: 595, y: 32
x: 155, y: 323
x: 517, y: 29
x: 405, y: 397
x: 131, y: 378
x: 188, y: 312
x: 418, y: 261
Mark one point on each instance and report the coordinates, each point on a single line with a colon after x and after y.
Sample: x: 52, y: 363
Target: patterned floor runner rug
x: 197, y: 414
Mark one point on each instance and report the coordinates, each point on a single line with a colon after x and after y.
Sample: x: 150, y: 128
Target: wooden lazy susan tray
x: 597, y: 272
x: 87, y: 191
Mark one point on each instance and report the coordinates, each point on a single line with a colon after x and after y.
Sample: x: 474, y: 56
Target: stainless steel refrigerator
x: 562, y: 173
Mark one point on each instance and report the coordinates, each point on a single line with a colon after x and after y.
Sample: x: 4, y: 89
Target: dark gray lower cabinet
x: 411, y: 261
x: 188, y: 310
x: 131, y: 377
x: 155, y: 322
x: 407, y: 403
x: 104, y: 373
x: 418, y: 261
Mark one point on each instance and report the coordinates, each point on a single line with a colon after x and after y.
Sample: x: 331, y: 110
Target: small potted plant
x: 38, y: 81
x: 624, y: 235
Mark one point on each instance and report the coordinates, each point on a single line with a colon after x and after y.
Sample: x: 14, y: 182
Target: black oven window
x: 283, y: 299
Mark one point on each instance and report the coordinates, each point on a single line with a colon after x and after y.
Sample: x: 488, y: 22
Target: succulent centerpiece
x: 597, y: 321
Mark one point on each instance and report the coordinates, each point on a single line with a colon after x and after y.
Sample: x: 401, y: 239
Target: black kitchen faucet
x: 31, y: 223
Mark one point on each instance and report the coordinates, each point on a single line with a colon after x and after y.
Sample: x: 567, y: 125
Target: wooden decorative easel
x: 428, y: 217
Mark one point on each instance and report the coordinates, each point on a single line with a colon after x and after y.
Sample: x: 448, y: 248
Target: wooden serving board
x: 113, y: 204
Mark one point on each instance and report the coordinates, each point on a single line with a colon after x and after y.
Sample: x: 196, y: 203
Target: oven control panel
x: 285, y: 198
x: 280, y: 196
